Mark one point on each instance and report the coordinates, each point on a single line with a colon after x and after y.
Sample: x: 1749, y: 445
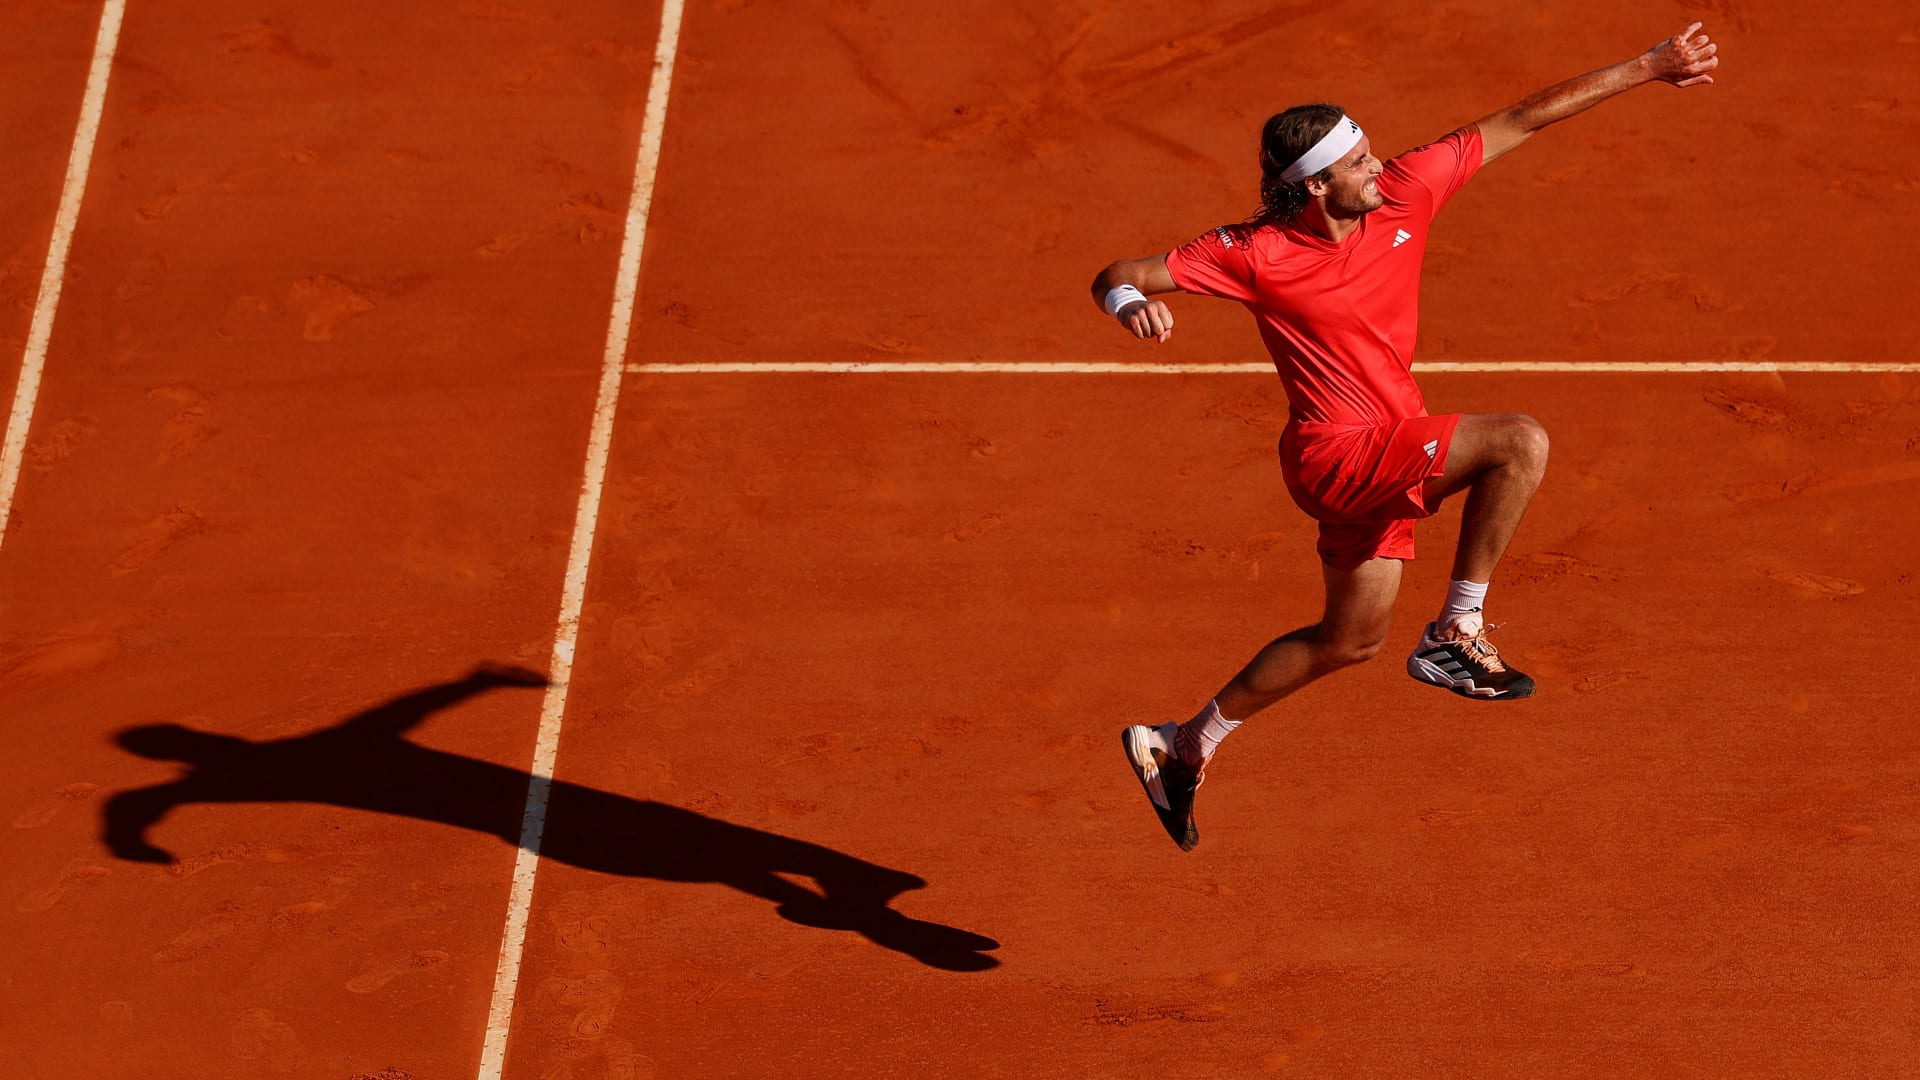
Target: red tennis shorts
x: 1365, y: 484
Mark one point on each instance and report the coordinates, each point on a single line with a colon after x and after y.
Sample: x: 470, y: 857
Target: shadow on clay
x: 366, y: 763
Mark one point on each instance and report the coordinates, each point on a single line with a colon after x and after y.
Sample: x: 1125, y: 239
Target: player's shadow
x: 366, y: 763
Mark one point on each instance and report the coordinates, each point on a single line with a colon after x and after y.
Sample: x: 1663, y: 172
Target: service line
x: 13, y: 453
x: 885, y: 367
x: 506, y: 979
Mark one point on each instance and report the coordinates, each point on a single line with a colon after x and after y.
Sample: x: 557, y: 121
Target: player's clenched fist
x: 1148, y: 319
x: 1684, y: 59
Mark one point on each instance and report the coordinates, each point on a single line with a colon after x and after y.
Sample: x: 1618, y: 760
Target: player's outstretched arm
x: 1142, y: 317
x: 1685, y: 59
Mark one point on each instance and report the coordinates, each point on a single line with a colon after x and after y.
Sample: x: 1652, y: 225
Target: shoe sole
x: 1431, y: 674
x: 1135, y: 740
x: 1139, y: 748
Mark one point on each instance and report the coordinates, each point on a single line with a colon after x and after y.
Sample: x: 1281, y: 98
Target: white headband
x: 1331, y: 148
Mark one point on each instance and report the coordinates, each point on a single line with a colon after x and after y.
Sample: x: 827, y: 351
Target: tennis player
x: 1330, y: 269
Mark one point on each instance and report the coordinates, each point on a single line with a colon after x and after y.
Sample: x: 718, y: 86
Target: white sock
x: 1464, y: 598
x: 1199, y: 737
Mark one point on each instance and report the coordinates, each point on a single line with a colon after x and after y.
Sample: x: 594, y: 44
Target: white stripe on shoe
x: 1140, y: 742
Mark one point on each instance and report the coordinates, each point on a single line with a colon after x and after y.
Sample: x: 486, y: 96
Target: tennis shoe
x: 1461, y: 659
x: 1170, y: 783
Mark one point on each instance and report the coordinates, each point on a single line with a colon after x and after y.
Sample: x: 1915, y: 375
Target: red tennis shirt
x: 1340, y: 318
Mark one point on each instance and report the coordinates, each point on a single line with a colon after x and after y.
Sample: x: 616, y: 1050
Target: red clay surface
x: 310, y: 442
x: 44, y: 51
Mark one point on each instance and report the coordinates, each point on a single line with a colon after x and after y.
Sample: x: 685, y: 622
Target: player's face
x: 1351, y: 189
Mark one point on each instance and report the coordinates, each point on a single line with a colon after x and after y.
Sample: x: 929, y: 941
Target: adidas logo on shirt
x: 1433, y: 447
x: 1401, y: 236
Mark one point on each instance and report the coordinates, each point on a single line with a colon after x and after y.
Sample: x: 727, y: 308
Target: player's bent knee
x: 1339, y: 654
x: 1533, y: 442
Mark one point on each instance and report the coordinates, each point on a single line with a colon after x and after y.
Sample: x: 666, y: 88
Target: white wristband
x: 1120, y: 296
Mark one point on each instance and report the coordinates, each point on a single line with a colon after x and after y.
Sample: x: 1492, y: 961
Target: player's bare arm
x: 1146, y: 277
x: 1685, y: 59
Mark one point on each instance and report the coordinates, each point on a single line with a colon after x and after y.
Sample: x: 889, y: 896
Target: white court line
x: 35, y: 359
x: 859, y: 367
x: 506, y: 978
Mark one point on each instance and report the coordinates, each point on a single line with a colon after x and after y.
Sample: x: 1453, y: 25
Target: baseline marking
x: 533, y: 823
x: 856, y: 367
x: 35, y: 359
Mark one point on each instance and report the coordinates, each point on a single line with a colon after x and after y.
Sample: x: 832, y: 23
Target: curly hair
x: 1283, y: 138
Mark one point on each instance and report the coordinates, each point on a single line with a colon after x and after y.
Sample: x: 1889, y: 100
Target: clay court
x: 309, y: 580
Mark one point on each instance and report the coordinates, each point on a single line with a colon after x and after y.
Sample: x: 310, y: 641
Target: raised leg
x: 1499, y: 460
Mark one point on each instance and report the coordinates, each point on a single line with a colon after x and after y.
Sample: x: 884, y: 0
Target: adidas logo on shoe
x: 1461, y: 659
